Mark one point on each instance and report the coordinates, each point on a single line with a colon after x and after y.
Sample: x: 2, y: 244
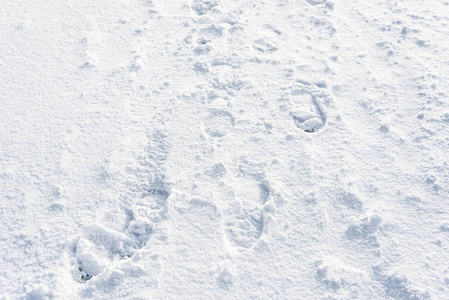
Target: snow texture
x: 224, y: 149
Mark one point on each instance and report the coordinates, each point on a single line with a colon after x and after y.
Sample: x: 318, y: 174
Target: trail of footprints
x: 310, y: 119
x: 120, y: 234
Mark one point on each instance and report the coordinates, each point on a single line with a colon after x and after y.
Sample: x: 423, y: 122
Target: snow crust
x: 224, y: 149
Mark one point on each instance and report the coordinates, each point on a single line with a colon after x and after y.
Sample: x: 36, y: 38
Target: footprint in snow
x: 111, y: 243
x: 118, y: 235
x: 218, y: 123
x: 244, y: 220
x: 312, y: 119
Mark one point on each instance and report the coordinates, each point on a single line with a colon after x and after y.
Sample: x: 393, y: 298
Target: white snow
x: 224, y: 149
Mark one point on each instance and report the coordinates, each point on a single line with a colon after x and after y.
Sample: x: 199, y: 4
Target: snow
x: 223, y: 149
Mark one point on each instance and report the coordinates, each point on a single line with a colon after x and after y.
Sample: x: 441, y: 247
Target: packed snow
x: 224, y: 149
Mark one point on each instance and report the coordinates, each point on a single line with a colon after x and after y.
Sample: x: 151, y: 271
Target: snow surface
x: 224, y: 149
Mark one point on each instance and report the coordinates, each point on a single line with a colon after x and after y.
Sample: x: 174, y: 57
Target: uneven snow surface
x: 224, y: 149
